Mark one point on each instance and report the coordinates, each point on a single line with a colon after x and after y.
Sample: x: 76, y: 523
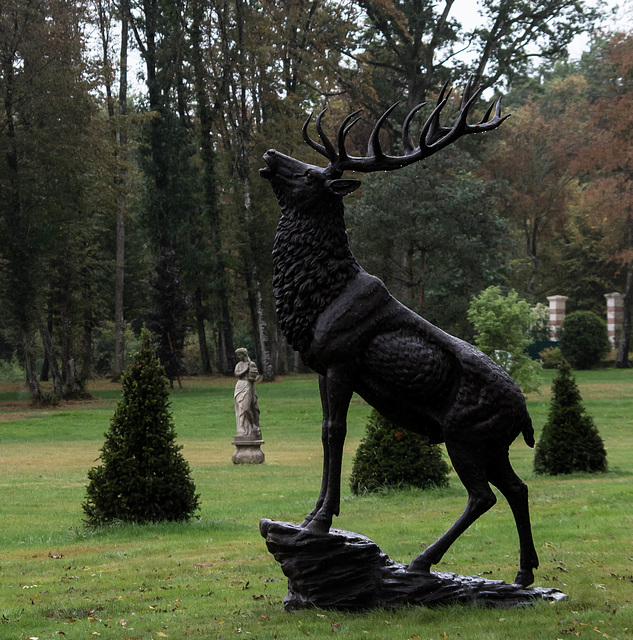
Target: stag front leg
x: 336, y: 393
x: 326, y: 457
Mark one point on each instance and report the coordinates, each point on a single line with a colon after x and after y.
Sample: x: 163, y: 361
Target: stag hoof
x: 419, y: 565
x: 316, y: 524
x: 525, y: 577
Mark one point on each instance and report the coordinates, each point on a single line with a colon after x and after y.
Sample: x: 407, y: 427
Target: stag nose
x: 267, y: 172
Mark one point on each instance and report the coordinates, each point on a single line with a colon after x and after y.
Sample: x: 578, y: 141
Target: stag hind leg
x: 480, y: 499
x: 336, y: 394
x: 515, y: 491
x: 476, y: 472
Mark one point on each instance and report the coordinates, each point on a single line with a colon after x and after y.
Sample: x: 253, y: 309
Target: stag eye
x: 309, y: 175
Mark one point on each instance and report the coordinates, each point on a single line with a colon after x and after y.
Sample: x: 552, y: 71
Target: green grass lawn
x: 214, y: 578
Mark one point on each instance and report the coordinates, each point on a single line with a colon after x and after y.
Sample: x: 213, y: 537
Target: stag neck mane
x: 312, y: 265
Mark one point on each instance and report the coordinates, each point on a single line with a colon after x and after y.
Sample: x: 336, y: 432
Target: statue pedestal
x: 247, y: 450
x: 345, y: 570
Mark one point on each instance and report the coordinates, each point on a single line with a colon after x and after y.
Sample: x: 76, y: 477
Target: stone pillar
x: 615, y: 314
x: 556, y: 314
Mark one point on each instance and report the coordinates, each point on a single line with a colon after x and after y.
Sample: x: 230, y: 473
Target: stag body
x: 358, y: 338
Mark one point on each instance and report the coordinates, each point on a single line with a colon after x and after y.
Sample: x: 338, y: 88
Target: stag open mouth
x: 267, y: 171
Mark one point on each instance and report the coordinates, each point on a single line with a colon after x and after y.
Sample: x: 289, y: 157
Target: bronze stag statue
x: 354, y: 334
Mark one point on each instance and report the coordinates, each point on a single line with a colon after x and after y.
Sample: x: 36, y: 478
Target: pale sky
x: 467, y: 12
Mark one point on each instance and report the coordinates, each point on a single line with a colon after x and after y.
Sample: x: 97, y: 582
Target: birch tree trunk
x: 255, y: 289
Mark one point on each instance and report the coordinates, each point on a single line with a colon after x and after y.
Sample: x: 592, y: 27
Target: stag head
x: 297, y: 182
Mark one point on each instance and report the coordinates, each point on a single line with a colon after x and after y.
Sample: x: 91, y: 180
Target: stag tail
x: 433, y: 136
x: 528, y: 435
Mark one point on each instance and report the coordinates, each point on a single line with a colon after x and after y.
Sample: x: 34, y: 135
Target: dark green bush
x: 143, y: 476
x: 584, y: 339
x: 570, y: 440
x: 391, y: 457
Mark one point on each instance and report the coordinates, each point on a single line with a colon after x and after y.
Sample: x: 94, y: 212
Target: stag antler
x: 433, y: 136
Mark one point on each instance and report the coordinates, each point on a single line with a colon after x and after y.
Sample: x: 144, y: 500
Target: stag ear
x: 342, y: 187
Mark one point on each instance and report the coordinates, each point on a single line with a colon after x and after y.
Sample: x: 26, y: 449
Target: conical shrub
x: 570, y: 440
x: 391, y: 457
x: 142, y: 477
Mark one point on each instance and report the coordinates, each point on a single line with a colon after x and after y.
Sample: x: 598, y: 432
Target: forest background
x: 129, y: 193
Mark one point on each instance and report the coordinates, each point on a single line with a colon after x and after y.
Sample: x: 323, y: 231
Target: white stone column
x: 615, y: 313
x: 556, y: 314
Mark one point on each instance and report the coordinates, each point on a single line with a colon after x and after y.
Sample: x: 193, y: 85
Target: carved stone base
x: 247, y: 451
x: 345, y: 570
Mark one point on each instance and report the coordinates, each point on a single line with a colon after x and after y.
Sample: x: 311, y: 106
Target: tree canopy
x: 109, y: 174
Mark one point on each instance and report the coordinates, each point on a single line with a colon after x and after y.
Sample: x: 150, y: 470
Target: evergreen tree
x: 445, y: 243
x: 143, y: 476
x: 391, y: 457
x: 167, y: 318
x: 570, y: 440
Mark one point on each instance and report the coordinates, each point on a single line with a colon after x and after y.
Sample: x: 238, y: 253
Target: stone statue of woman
x: 245, y: 396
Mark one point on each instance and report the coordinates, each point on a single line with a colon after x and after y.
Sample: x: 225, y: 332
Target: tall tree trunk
x: 28, y: 359
x: 226, y: 355
x: 71, y: 384
x: 202, y: 334
x: 18, y: 282
x: 44, y: 370
x: 119, y: 283
x: 45, y: 364
x: 255, y: 288
x: 281, y: 352
x: 243, y: 129
x: 86, y: 359
x: 622, y: 356
x: 532, y: 232
x: 262, y: 327
x: 47, y: 342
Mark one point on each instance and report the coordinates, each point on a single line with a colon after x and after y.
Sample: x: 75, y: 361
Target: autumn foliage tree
x: 413, y: 45
x: 607, y: 161
x: 53, y: 159
x: 84, y: 215
x: 533, y: 156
